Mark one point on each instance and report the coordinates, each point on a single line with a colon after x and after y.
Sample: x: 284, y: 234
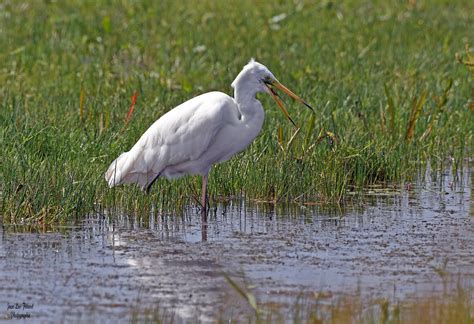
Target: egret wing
x: 181, y: 135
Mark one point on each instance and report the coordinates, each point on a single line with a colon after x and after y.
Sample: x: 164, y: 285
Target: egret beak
x: 279, y: 102
x: 276, y: 97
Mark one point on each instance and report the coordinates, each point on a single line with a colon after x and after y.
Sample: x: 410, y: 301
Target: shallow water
x: 396, y: 244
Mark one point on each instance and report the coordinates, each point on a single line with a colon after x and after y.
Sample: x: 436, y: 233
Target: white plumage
x: 202, y: 131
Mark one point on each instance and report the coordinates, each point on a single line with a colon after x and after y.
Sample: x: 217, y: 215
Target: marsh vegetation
x: 384, y: 79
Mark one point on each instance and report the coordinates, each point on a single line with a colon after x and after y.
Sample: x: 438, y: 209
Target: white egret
x: 205, y: 130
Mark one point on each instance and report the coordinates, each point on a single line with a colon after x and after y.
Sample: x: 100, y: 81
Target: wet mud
x: 397, y: 243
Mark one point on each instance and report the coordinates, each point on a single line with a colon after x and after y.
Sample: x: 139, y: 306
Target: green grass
x: 388, y: 91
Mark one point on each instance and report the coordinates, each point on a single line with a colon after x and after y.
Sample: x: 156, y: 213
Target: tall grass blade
x: 280, y: 139
x: 382, y: 120
x: 469, y: 62
x: 290, y: 142
x: 81, y: 105
x: 390, y: 108
x: 417, y: 106
x: 309, y: 131
x: 249, y: 297
x: 132, y: 107
x: 438, y: 110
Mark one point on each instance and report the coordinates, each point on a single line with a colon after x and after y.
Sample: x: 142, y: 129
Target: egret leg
x: 204, y: 208
x: 204, y: 198
x: 151, y: 183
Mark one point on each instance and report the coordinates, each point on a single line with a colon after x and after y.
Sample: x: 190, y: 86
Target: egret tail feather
x: 127, y: 168
x: 113, y: 175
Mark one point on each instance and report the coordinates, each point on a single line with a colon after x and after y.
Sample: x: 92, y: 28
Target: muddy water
x: 395, y: 244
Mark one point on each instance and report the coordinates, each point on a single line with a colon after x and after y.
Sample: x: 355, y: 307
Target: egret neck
x: 250, y: 109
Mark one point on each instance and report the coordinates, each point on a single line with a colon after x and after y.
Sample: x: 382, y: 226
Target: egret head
x: 252, y: 75
x: 258, y: 77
